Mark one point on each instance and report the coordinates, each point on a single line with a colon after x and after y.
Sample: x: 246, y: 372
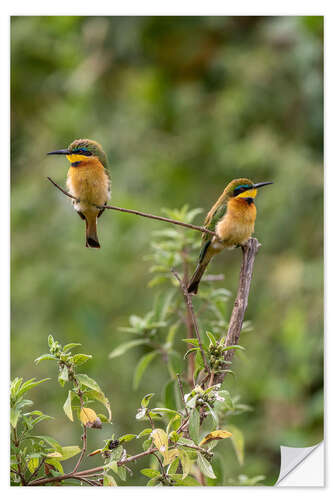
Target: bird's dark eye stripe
x: 82, y: 151
x: 241, y: 189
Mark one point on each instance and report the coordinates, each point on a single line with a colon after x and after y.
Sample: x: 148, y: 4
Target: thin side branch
x: 142, y: 214
x: 194, y: 320
x: 237, y: 317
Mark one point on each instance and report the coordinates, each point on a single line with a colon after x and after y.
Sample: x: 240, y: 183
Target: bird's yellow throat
x: 75, y: 158
x: 251, y: 193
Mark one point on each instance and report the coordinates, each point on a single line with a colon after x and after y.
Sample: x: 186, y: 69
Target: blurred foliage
x: 182, y: 106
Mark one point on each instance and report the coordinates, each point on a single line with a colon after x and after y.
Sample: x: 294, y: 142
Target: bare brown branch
x: 141, y: 214
x: 237, y: 317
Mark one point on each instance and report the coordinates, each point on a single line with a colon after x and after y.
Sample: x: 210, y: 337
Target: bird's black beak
x: 60, y: 152
x: 261, y: 184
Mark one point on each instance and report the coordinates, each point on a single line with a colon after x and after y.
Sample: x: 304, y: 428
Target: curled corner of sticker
x: 291, y: 458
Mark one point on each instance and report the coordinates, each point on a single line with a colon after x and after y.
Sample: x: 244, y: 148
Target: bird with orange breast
x: 88, y: 180
x: 232, y: 218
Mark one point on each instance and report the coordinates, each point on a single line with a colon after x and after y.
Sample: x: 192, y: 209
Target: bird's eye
x: 82, y: 151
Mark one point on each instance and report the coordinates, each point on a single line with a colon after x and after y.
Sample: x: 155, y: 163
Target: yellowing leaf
x: 96, y: 452
x: 186, y: 463
x: 89, y: 418
x: 238, y: 442
x: 212, y: 436
x: 33, y: 464
x: 169, y: 456
x: 160, y: 439
x: 54, y: 454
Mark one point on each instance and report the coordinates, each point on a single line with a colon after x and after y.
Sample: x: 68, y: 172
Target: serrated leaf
x: 194, y: 425
x: 122, y: 348
x: 219, y: 434
x: 141, y: 368
x: 205, y: 467
x: 68, y: 406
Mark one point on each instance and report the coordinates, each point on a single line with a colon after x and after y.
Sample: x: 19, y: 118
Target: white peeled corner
x: 302, y: 466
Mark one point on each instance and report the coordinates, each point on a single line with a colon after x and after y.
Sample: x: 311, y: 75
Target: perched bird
x: 232, y: 218
x: 88, y: 180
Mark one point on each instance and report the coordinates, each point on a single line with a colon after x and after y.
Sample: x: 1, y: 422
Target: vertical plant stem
x: 193, y: 318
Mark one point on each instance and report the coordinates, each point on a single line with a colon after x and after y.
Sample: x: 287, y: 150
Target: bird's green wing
x: 213, y: 217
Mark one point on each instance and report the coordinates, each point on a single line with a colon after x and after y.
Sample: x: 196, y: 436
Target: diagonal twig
x: 137, y: 212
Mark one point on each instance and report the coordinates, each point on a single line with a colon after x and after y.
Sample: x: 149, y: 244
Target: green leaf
x: 146, y: 399
x: 211, y: 337
x: 100, y: 396
x: 29, y: 384
x: 79, y: 359
x: 67, y: 347
x: 51, y: 441
x: 194, y: 342
x: 109, y: 480
x: 68, y: 452
x: 217, y: 466
x: 193, y: 349
x: 14, y: 416
x: 150, y: 473
x: 141, y: 368
x: 237, y: 440
x: 44, y: 357
x: 187, y: 481
x: 169, y: 395
x: 205, y: 467
x: 122, y: 348
x: 50, y: 341
x: 63, y: 375
x: 144, y: 432
x: 88, y: 382
x: 194, y: 425
x: 56, y: 464
x: 229, y: 347
x: 127, y: 437
x: 171, y: 335
x: 68, y: 406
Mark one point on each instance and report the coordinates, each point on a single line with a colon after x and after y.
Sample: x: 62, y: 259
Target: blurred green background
x: 181, y: 106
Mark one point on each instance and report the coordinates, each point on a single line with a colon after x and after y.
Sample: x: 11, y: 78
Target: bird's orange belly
x: 237, y: 226
x: 90, y: 184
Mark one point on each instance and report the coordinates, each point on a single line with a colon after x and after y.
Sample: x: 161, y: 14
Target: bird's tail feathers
x: 196, y: 278
x: 91, y: 233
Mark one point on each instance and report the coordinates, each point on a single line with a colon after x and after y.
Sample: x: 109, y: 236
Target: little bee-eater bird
x: 89, y: 181
x: 232, y: 218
